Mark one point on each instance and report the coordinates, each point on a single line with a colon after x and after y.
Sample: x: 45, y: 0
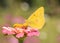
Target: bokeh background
x: 12, y: 11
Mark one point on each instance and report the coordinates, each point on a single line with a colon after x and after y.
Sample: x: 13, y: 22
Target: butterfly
x: 36, y: 20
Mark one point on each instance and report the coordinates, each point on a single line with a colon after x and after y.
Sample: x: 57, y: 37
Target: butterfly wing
x: 36, y: 20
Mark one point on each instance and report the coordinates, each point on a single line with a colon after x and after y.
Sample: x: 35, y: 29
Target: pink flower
x: 7, y: 30
x: 17, y: 31
x: 35, y: 33
x: 20, y: 35
x: 32, y: 32
x: 4, y: 31
x: 20, y: 32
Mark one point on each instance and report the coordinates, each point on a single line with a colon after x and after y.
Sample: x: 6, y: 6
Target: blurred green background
x: 14, y: 8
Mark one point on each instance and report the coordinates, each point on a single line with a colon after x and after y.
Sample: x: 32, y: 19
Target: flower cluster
x: 20, y: 31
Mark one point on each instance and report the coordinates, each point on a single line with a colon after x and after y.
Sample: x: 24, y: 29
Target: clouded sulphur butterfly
x: 36, y: 20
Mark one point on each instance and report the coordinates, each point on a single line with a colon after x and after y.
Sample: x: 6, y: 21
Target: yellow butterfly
x: 36, y: 20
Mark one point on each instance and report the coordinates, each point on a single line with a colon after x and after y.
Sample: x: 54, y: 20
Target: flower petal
x: 20, y: 35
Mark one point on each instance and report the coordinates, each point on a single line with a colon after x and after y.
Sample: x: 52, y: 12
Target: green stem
x: 21, y: 40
